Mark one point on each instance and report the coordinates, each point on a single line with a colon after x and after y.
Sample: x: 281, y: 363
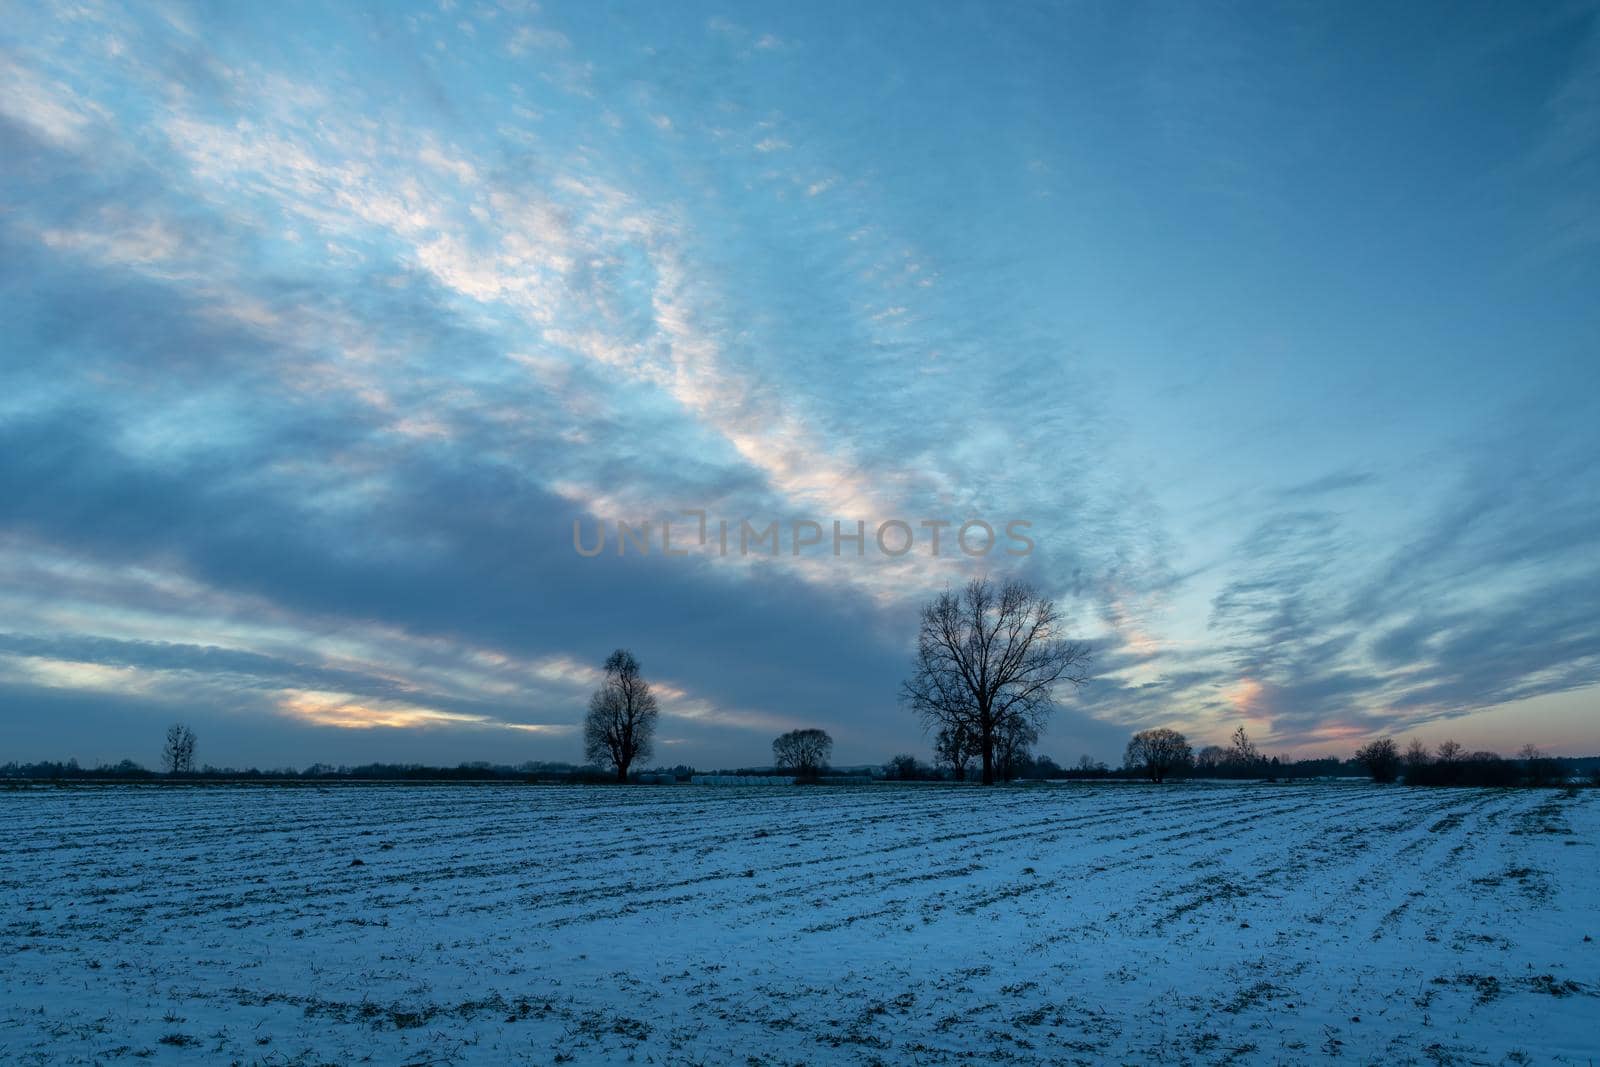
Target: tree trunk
x: 986, y: 739
x: 622, y: 774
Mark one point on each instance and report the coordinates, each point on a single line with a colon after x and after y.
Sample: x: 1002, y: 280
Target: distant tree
x: 1381, y: 758
x: 621, y: 724
x: 804, y: 753
x: 177, y: 755
x: 1243, y: 756
x: 1043, y: 769
x: 989, y: 655
x: 1482, y: 769
x: 903, y: 768
x: 1539, y: 770
x: 1488, y: 769
x: 1449, y: 764
x: 955, y: 747
x: 1417, y: 756
x: 1013, y: 745
x: 1158, y: 753
x: 1210, y: 759
x: 1087, y: 764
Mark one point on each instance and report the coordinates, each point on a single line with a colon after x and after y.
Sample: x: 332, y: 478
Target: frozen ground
x: 1188, y: 923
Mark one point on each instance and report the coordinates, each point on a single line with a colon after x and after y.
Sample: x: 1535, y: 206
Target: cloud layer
x: 322, y: 330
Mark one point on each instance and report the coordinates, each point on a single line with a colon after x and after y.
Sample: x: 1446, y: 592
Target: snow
x: 1044, y: 924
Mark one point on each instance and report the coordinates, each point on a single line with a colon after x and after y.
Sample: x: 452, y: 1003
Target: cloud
x: 47, y: 109
x: 1479, y: 605
x: 309, y: 381
x: 1329, y: 483
x: 527, y: 39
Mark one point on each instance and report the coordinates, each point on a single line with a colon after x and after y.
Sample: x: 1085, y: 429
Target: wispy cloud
x: 308, y: 378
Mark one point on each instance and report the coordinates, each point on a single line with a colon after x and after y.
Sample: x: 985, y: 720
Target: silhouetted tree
x: 621, y: 724
x: 1043, y: 769
x: 177, y: 755
x: 1381, y: 758
x: 1013, y: 744
x: 1538, y: 769
x: 1087, y: 764
x: 1209, y: 760
x: 1488, y: 768
x: 955, y: 747
x: 1158, y: 753
x: 1447, y: 764
x: 904, y: 768
x: 988, y: 656
x: 1479, y: 769
x: 804, y: 753
x: 1416, y: 758
x: 1243, y: 756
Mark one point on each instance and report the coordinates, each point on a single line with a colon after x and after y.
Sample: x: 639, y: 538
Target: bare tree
x: 1159, y: 753
x: 904, y: 767
x: 1242, y: 751
x: 988, y: 656
x: 1381, y: 758
x: 1538, y: 769
x: 1013, y: 747
x: 1449, y: 763
x: 802, y: 752
x: 1417, y: 755
x: 177, y: 755
x: 955, y: 747
x: 621, y: 723
x: 1210, y: 758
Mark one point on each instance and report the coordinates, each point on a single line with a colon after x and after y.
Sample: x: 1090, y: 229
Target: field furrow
x: 1214, y: 922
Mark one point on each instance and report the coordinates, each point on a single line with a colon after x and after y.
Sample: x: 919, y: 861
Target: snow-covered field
x: 1093, y: 922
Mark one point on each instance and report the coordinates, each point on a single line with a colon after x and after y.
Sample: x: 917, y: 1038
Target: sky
x: 323, y: 325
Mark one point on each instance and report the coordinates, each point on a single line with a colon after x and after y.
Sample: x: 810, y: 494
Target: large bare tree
x: 989, y: 659
x: 621, y: 723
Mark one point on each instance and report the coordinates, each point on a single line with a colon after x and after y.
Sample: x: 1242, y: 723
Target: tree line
x: 990, y: 662
x: 1452, y: 765
x: 1153, y: 755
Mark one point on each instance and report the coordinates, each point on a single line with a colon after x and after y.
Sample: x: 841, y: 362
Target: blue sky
x: 321, y: 326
